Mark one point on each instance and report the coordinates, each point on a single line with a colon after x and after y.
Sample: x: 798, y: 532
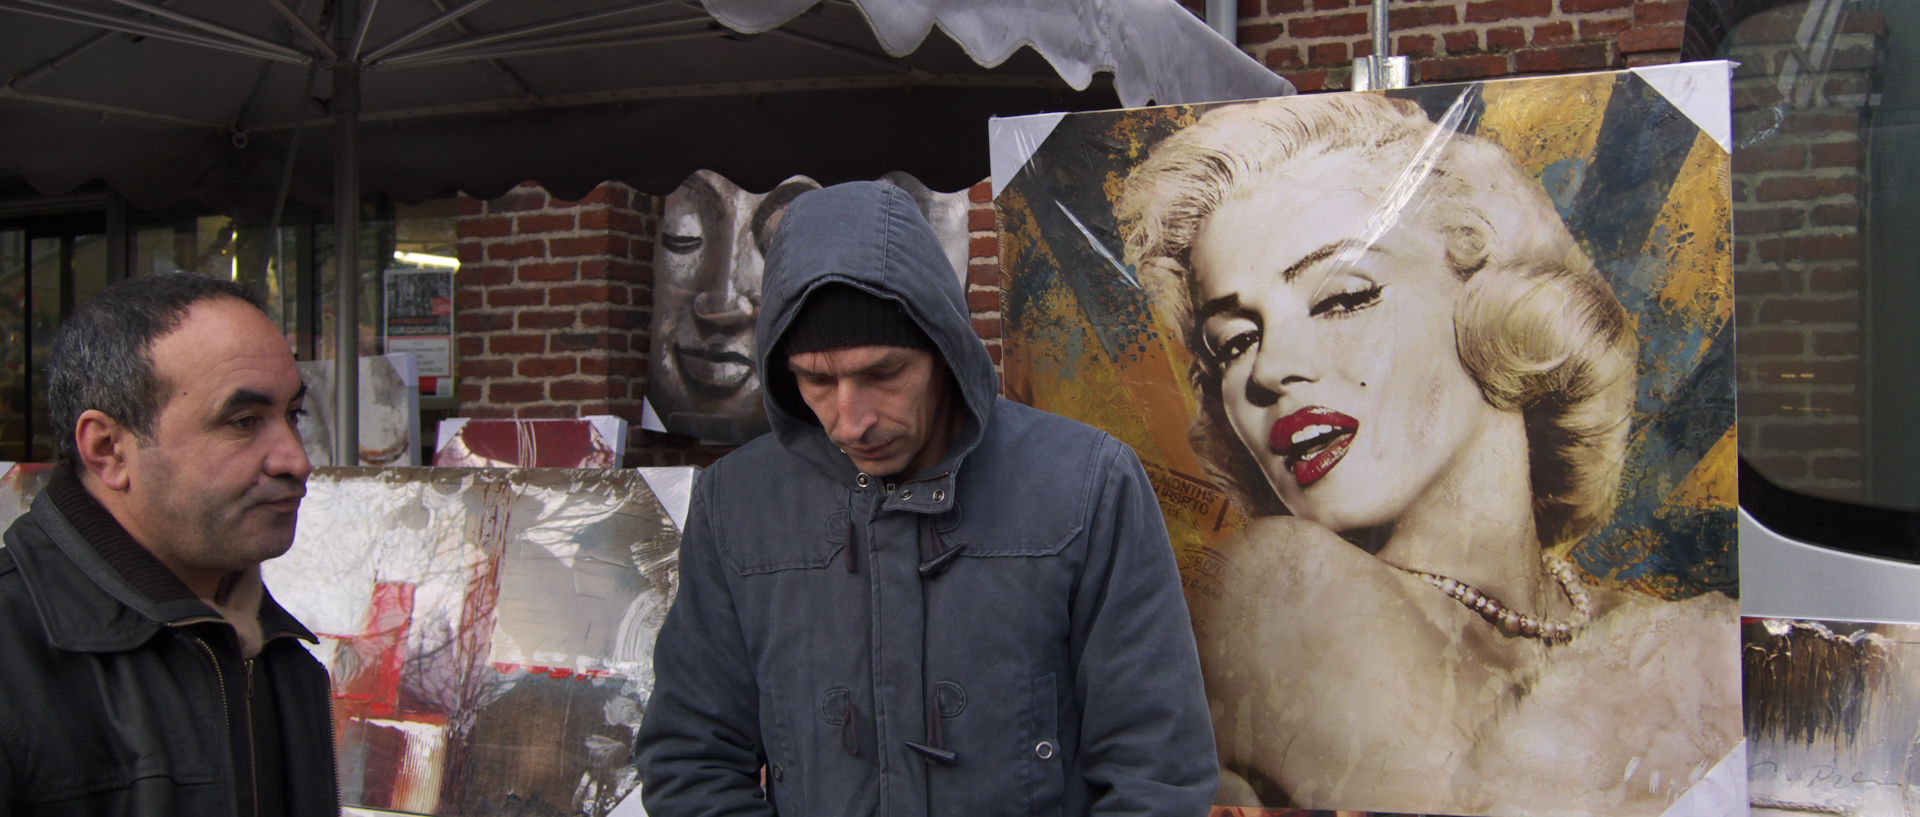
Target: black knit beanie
x: 836, y: 316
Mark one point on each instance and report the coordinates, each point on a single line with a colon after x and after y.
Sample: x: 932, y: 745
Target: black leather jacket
x: 123, y: 694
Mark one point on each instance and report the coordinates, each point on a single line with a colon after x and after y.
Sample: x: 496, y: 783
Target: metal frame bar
x: 447, y: 16
x: 346, y: 250
x: 1382, y: 47
x: 230, y: 33
x: 46, y: 69
x: 515, y: 84
x: 84, y: 17
x: 119, y: 248
x: 360, y: 31
x: 9, y: 93
x: 252, y: 99
x: 856, y: 54
x: 286, y: 178
x: 307, y: 307
x: 701, y: 90
x: 512, y: 33
x: 572, y: 41
x: 305, y: 30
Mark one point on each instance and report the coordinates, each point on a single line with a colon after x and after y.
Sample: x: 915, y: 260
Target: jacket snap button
x: 939, y: 495
x: 779, y: 773
x: 862, y: 481
x: 906, y: 494
x: 1043, y: 750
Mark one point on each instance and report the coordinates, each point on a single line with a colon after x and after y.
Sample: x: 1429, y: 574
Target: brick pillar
x: 984, y: 283
x: 1799, y: 253
x: 553, y: 299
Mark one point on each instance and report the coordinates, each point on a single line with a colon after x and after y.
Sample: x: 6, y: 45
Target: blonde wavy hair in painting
x: 1537, y: 327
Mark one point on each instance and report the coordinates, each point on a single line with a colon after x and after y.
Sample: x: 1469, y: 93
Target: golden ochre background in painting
x: 1643, y: 190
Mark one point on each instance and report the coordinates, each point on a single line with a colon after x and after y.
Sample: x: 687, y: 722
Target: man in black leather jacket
x: 145, y: 669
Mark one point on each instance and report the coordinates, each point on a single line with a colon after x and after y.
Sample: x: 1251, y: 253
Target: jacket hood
x: 872, y: 236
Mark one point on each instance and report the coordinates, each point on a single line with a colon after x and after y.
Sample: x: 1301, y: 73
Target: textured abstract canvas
x: 1833, y: 714
x: 489, y: 632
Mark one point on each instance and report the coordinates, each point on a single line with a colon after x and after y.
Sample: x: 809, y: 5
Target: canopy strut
x: 346, y: 246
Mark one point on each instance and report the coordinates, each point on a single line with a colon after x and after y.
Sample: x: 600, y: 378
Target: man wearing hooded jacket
x: 914, y: 598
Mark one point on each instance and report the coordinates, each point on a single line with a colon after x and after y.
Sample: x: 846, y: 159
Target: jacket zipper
x: 333, y: 748
x: 253, y: 762
x: 220, y: 678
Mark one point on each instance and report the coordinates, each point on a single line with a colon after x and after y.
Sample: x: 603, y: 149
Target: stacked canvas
x: 599, y: 441
x: 389, y: 411
x: 20, y: 482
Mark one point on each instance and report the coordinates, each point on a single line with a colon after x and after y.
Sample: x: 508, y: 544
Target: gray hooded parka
x: 1001, y: 634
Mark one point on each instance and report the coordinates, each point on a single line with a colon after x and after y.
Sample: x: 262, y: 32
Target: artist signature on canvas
x: 1824, y: 774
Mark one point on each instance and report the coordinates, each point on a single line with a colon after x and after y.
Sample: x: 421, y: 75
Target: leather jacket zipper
x: 253, y: 762
x: 220, y: 678
x: 333, y: 729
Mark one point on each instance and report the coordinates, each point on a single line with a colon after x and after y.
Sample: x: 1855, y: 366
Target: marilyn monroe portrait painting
x: 1435, y: 387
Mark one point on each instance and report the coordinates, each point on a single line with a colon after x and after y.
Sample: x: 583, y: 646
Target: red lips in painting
x: 1313, y: 440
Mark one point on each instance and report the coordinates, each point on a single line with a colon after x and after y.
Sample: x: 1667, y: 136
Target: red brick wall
x: 549, y: 296
x: 554, y: 300
x: 1313, y: 42
x: 1800, y: 114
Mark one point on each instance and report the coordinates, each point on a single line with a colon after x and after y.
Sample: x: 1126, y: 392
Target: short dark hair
x: 103, y: 354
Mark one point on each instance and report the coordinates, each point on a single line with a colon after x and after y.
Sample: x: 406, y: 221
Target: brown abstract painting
x: 1833, y: 717
x: 1435, y: 387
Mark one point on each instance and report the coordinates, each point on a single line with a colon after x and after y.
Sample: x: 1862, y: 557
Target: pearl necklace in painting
x: 1506, y: 620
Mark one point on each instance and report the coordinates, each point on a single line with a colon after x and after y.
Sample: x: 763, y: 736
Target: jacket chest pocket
x: 761, y: 548
x: 1020, y: 588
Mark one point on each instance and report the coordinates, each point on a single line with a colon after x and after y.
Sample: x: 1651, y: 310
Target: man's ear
x: 101, y: 442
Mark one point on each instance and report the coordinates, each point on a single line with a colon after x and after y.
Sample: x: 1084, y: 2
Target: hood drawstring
x: 934, y: 555
x: 850, y: 730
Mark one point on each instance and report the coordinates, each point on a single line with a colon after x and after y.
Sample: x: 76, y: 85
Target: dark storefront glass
x: 50, y: 263
x: 1826, y: 190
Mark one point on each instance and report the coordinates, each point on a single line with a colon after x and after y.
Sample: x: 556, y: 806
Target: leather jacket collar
x: 98, y: 590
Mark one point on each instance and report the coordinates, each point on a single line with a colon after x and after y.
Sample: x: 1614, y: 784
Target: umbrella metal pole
x: 346, y: 252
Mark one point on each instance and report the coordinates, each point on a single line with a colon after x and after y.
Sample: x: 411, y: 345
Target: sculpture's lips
x: 716, y: 369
